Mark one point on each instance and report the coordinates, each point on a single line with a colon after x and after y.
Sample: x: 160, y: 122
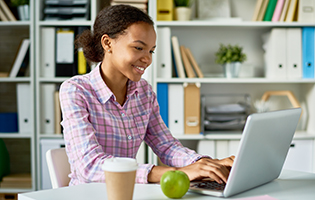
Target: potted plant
x: 182, y: 10
x: 231, y: 58
x: 22, y: 8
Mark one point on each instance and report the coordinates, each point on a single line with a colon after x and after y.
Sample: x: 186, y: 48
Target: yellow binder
x: 164, y: 10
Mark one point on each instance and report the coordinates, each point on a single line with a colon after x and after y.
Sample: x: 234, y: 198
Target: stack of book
x: 5, y: 12
x: 67, y: 10
x: 16, y: 181
x: 141, y: 4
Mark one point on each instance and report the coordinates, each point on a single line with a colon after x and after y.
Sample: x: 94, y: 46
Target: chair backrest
x: 58, y: 167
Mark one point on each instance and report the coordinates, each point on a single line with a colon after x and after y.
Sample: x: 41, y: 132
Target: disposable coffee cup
x: 120, y: 176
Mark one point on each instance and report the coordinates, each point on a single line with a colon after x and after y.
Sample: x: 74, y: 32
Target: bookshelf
x: 203, y: 38
x: 20, y: 144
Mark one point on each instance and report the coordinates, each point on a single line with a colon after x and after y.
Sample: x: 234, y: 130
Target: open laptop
x: 263, y: 148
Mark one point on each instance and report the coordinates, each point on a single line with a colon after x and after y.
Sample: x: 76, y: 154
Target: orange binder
x: 164, y: 10
x: 192, y: 108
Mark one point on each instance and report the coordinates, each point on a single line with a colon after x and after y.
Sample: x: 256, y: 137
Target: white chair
x: 58, y: 167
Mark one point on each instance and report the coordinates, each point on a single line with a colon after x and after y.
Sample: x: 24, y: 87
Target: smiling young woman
x: 110, y: 111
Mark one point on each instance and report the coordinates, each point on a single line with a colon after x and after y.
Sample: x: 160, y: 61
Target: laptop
x: 263, y: 148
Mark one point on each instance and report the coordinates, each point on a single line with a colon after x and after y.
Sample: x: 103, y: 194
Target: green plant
x: 229, y: 53
x: 182, y: 3
x: 16, y: 3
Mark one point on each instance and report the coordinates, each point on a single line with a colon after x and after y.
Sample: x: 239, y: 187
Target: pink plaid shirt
x: 97, y: 127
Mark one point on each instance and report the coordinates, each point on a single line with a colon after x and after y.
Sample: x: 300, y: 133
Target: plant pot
x: 23, y: 12
x: 231, y: 70
x: 182, y: 13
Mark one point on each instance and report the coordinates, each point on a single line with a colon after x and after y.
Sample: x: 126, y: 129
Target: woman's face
x: 131, y: 52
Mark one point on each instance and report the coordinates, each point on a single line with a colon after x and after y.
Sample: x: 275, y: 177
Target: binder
x: 294, y: 53
x: 164, y: 10
x: 65, y: 58
x: 83, y: 67
x: 178, y: 59
x: 24, y: 107
x: 162, y: 98
x: 21, y: 60
x: 270, y: 10
x: 47, y: 119
x: 278, y: 11
x: 57, y: 113
x: 192, y: 108
x: 47, y: 58
x: 164, y: 54
x: 276, y: 54
x: 308, y: 52
x: 306, y: 11
x: 176, y: 108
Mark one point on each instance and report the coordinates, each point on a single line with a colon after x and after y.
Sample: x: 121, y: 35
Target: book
x: 7, y: 11
x: 284, y: 10
x: 3, y: 17
x: 194, y: 63
x: 57, y: 113
x: 258, y: 7
x: 21, y: 59
x: 278, y: 10
x: 270, y: 10
x: 262, y: 10
x: 292, y: 10
x: 188, y: 68
x: 178, y: 59
x: 4, y: 74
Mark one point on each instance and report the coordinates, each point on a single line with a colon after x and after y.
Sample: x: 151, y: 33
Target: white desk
x: 290, y: 185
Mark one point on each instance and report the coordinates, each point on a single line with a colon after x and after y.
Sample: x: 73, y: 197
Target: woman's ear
x: 106, y: 43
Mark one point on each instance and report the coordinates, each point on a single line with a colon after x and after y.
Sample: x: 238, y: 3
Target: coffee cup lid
x: 118, y: 164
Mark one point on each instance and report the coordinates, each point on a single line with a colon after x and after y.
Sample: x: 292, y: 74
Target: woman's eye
x: 152, y: 52
x: 139, y: 48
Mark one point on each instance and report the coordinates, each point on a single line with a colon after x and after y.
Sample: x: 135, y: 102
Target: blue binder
x: 162, y: 98
x: 308, y: 52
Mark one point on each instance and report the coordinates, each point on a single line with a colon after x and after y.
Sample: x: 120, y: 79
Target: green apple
x: 174, y: 184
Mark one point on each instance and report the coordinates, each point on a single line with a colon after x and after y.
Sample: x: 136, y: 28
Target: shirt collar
x: 102, y: 90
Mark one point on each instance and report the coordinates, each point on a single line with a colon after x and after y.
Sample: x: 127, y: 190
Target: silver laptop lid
x: 263, y: 148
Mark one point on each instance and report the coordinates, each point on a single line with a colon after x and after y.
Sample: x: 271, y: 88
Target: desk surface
x: 290, y: 185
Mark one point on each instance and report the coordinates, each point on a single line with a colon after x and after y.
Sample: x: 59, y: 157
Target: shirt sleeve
x: 164, y: 145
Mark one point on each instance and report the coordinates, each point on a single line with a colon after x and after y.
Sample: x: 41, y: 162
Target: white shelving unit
x: 21, y: 145
x: 203, y: 38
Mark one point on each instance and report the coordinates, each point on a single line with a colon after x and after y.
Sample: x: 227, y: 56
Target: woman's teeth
x: 140, y: 68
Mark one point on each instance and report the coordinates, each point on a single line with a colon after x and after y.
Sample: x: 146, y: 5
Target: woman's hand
x: 218, y: 170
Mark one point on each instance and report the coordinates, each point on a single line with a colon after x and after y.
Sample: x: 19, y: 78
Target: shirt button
x: 123, y: 114
x: 129, y: 137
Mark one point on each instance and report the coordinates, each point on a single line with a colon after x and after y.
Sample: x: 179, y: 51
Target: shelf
x: 16, y: 80
x: 54, y: 136
x: 232, y: 80
x: 53, y: 80
x: 15, y: 135
x: 233, y: 135
x: 222, y: 23
x: 66, y: 23
x: 15, y: 190
x: 16, y: 23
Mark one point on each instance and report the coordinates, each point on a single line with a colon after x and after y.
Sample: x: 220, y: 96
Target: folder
x: 162, y: 98
x: 176, y: 108
x: 47, y: 118
x: 178, y: 59
x: 308, y: 52
x: 47, y: 49
x: 294, y: 53
x: 24, y: 107
x: 192, y: 108
x: 276, y: 54
x: 291, y: 11
x: 83, y: 67
x: 163, y: 53
x: 57, y: 113
x: 65, y: 58
x: 284, y: 10
x: 21, y: 60
x: 278, y: 11
x: 164, y: 10
x: 270, y: 10
x: 306, y: 11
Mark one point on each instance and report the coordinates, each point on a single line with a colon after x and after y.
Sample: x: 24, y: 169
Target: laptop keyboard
x: 210, y: 185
